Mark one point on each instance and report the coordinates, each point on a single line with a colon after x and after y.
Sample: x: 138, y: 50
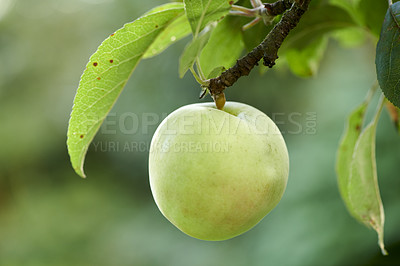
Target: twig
x: 268, y: 49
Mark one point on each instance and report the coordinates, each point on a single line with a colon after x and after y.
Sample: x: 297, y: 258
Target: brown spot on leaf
x: 98, y: 78
x: 156, y: 26
x: 358, y: 127
x: 81, y: 136
x: 112, y: 34
x: 111, y: 61
x: 231, y: 2
x: 95, y: 63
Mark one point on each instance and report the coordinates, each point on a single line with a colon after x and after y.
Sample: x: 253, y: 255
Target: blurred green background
x: 50, y: 216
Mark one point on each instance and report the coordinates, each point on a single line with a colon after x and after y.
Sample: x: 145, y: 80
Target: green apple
x: 215, y: 174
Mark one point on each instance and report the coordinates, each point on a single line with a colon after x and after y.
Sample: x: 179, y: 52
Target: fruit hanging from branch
x: 215, y: 173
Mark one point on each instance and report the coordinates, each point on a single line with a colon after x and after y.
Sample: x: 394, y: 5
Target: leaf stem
x: 251, y: 24
x: 256, y: 3
x: 199, y: 69
x: 200, y: 80
x: 371, y: 92
x: 379, y: 109
x: 249, y: 12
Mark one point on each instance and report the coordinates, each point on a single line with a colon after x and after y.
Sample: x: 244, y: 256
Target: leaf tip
x: 382, y: 244
x: 79, y: 170
x: 383, y: 250
x: 82, y: 174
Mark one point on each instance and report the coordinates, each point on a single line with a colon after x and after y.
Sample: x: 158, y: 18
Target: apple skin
x: 215, y: 174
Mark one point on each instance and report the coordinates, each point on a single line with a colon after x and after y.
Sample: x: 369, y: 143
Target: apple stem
x: 219, y: 100
x: 268, y: 49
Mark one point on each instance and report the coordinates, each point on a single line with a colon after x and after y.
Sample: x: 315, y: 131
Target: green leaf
x: 201, y: 12
x: 193, y: 50
x: 350, y: 37
x: 317, y: 22
x: 345, y: 2
x: 305, y: 62
x: 224, y: 47
x: 216, y: 72
x: 347, y: 144
x: 372, y: 13
x: 177, y: 30
x: 173, y: 5
x: 388, y: 55
x: 105, y: 76
x: 351, y: 6
x: 367, y: 13
x: 363, y: 190
x: 305, y: 45
x: 356, y: 170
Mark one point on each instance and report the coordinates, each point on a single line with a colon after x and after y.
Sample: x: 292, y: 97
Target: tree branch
x: 268, y: 49
x: 278, y: 7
